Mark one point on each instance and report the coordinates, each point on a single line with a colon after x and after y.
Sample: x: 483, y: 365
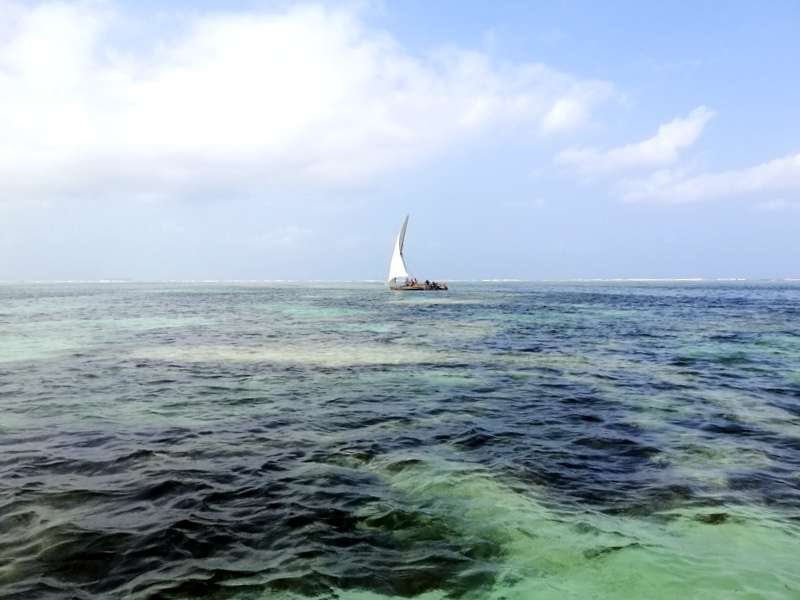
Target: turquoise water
x: 599, y: 440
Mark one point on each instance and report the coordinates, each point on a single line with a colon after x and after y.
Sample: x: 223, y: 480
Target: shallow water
x: 514, y: 441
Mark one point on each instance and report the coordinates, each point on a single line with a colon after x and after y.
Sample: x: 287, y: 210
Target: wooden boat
x: 399, y: 279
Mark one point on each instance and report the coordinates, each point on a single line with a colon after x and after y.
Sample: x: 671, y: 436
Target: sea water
x: 603, y: 440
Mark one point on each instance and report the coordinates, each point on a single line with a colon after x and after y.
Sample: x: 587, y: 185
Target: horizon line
x: 381, y: 281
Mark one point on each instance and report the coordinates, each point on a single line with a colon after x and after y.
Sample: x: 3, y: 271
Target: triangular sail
x: 397, y: 268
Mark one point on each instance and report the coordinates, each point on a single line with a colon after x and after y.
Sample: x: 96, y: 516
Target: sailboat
x: 399, y: 279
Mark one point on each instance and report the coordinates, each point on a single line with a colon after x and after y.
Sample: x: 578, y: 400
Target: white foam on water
x: 333, y: 356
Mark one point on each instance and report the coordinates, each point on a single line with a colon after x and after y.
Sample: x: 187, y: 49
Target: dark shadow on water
x: 333, y: 528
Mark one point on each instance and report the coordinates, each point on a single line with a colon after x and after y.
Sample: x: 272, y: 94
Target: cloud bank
x: 229, y: 103
x: 661, y: 149
x: 680, y: 183
x: 777, y: 176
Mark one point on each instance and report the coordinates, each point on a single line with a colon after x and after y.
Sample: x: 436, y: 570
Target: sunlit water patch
x: 287, y: 441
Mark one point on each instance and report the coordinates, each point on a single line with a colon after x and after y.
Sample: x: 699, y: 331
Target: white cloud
x: 777, y: 176
x: 661, y: 149
x: 234, y: 102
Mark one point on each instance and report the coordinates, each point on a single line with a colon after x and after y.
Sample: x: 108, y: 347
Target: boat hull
x: 419, y: 288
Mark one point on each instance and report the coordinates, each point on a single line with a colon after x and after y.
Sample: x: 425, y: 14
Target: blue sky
x: 288, y: 140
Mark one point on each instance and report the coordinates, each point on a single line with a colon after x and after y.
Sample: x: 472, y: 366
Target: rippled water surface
x: 497, y: 441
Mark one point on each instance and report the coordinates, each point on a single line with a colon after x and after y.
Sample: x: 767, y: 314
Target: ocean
x: 285, y: 441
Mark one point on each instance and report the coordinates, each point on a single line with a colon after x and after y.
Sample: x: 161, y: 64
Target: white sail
x: 397, y: 269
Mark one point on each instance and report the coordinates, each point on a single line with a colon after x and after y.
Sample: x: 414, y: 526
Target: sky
x: 272, y: 140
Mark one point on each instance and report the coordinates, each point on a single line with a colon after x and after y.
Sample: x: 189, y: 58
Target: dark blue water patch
x: 608, y: 474
x: 333, y: 527
x: 775, y: 488
x: 787, y: 399
x: 726, y: 424
x: 575, y: 445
